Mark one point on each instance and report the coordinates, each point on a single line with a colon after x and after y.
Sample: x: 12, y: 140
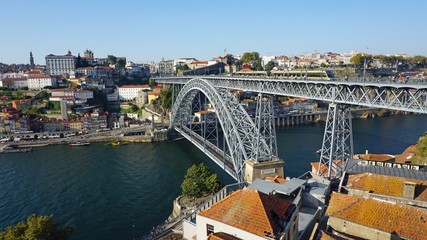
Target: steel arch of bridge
x: 396, y: 96
x: 238, y: 128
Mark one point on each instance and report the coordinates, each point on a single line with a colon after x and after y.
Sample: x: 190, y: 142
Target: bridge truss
x: 337, y: 146
x: 238, y: 129
x: 396, y: 96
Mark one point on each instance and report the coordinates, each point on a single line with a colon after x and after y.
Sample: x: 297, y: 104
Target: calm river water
x: 120, y: 192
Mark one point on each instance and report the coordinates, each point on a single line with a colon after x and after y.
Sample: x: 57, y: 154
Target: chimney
x: 409, y: 190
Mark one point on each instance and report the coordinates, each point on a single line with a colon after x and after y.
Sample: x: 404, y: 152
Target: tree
x: 270, y: 65
x: 121, y: 63
x: 229, y: 59
x: 166, y: 98
x: 200, y: 181
x: 35, y: 228
x: 359, y: 59
x: 151, y: 82
x: 253, y: 59
x: 421, y: 151
x: 111, y: 59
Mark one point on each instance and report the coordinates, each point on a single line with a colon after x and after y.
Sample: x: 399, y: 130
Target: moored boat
x: 118, y: 143
x: 79, y: 144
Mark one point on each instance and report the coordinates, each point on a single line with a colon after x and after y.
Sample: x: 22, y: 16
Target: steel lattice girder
x: 337, y: 141
x: 404, y: 97
x: 238, y: 128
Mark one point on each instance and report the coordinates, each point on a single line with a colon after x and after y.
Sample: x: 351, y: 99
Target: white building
x: 72, y: 96
x: 14, y: 83
x: 266, y: 59
x: 60, y: 64
x: 41, y: 81
x: 129, y: 92
x: 247, y: 214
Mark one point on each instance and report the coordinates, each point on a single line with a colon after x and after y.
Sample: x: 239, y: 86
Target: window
x: 209, y: 229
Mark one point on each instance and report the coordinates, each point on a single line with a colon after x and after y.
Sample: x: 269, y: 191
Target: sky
x: 152, y: 30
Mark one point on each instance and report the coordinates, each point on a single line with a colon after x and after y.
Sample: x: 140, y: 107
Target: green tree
x: 121, y: 63
x: 199, y: 181
x: 421, y: 151
x: 253, y: 59
x: 229, y: 59
x: 151, y: 82
x: 111, y: 59
x: 36, y: 228
x: 270, y: 65
x: 359, y: 59
x: 43, y: 95
x: 166, y: 98
x: 419, y: 61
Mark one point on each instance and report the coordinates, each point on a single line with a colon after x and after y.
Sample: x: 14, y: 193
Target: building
x: 37, y: 82
x: 60, y: 64
x: 83, y: 94
x: 14, y: 83
x: 166, y: 68
x: 129, y: 92
x: 21, y: 104
x: 373, y: 218
x: 72, y: 96
x: 153, y: 96
x: 250, y: 214
x: 31, y: 59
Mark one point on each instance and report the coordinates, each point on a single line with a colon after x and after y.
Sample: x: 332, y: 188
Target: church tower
x: 31, y: 59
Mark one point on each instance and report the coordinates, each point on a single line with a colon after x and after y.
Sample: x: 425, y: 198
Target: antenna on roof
x: 225, y: 51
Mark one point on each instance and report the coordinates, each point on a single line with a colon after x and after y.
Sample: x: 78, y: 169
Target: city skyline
x: 150, y: 31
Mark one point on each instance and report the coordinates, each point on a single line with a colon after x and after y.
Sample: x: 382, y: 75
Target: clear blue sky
x: 154, y: 29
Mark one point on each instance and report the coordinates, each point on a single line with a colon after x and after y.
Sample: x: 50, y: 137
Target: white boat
x: 79, y: 144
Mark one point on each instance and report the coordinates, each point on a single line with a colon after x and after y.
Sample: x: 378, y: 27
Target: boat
x: 118, y: 143
x: 15, y: 149
x: 319, y: 151
x: 79, y: 144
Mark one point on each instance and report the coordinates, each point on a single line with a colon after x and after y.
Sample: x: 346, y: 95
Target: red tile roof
x: 386, y: 185
x: 276, y: 179
x: 402, y: 220
x: 251, y: 211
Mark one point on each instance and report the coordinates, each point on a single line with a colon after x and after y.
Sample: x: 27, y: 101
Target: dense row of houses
x: 12, y: 122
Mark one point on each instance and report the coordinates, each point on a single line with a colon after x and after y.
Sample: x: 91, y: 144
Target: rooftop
x: 355, y: 166
x: 251, y: 211
x: 386, y: 185
x: 402, y: 220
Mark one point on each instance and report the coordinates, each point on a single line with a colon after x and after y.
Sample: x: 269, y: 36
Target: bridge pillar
x: 337, y: 146
x: 271, y: 168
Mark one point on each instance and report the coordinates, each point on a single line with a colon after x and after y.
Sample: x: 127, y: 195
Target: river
x: 108, y: 192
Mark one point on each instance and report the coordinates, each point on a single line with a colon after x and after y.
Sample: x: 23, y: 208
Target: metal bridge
x: 244, y: 138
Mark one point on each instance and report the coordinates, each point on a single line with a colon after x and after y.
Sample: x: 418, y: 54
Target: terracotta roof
x: 375, y: 157
x: 402, y: 220
x: 276, y: 179
x: 251, y: 211
x: 14, y: 79
x: 323, y: 168
x: 406, y: 155
x: 386, y: 185
x: 221, y: 236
